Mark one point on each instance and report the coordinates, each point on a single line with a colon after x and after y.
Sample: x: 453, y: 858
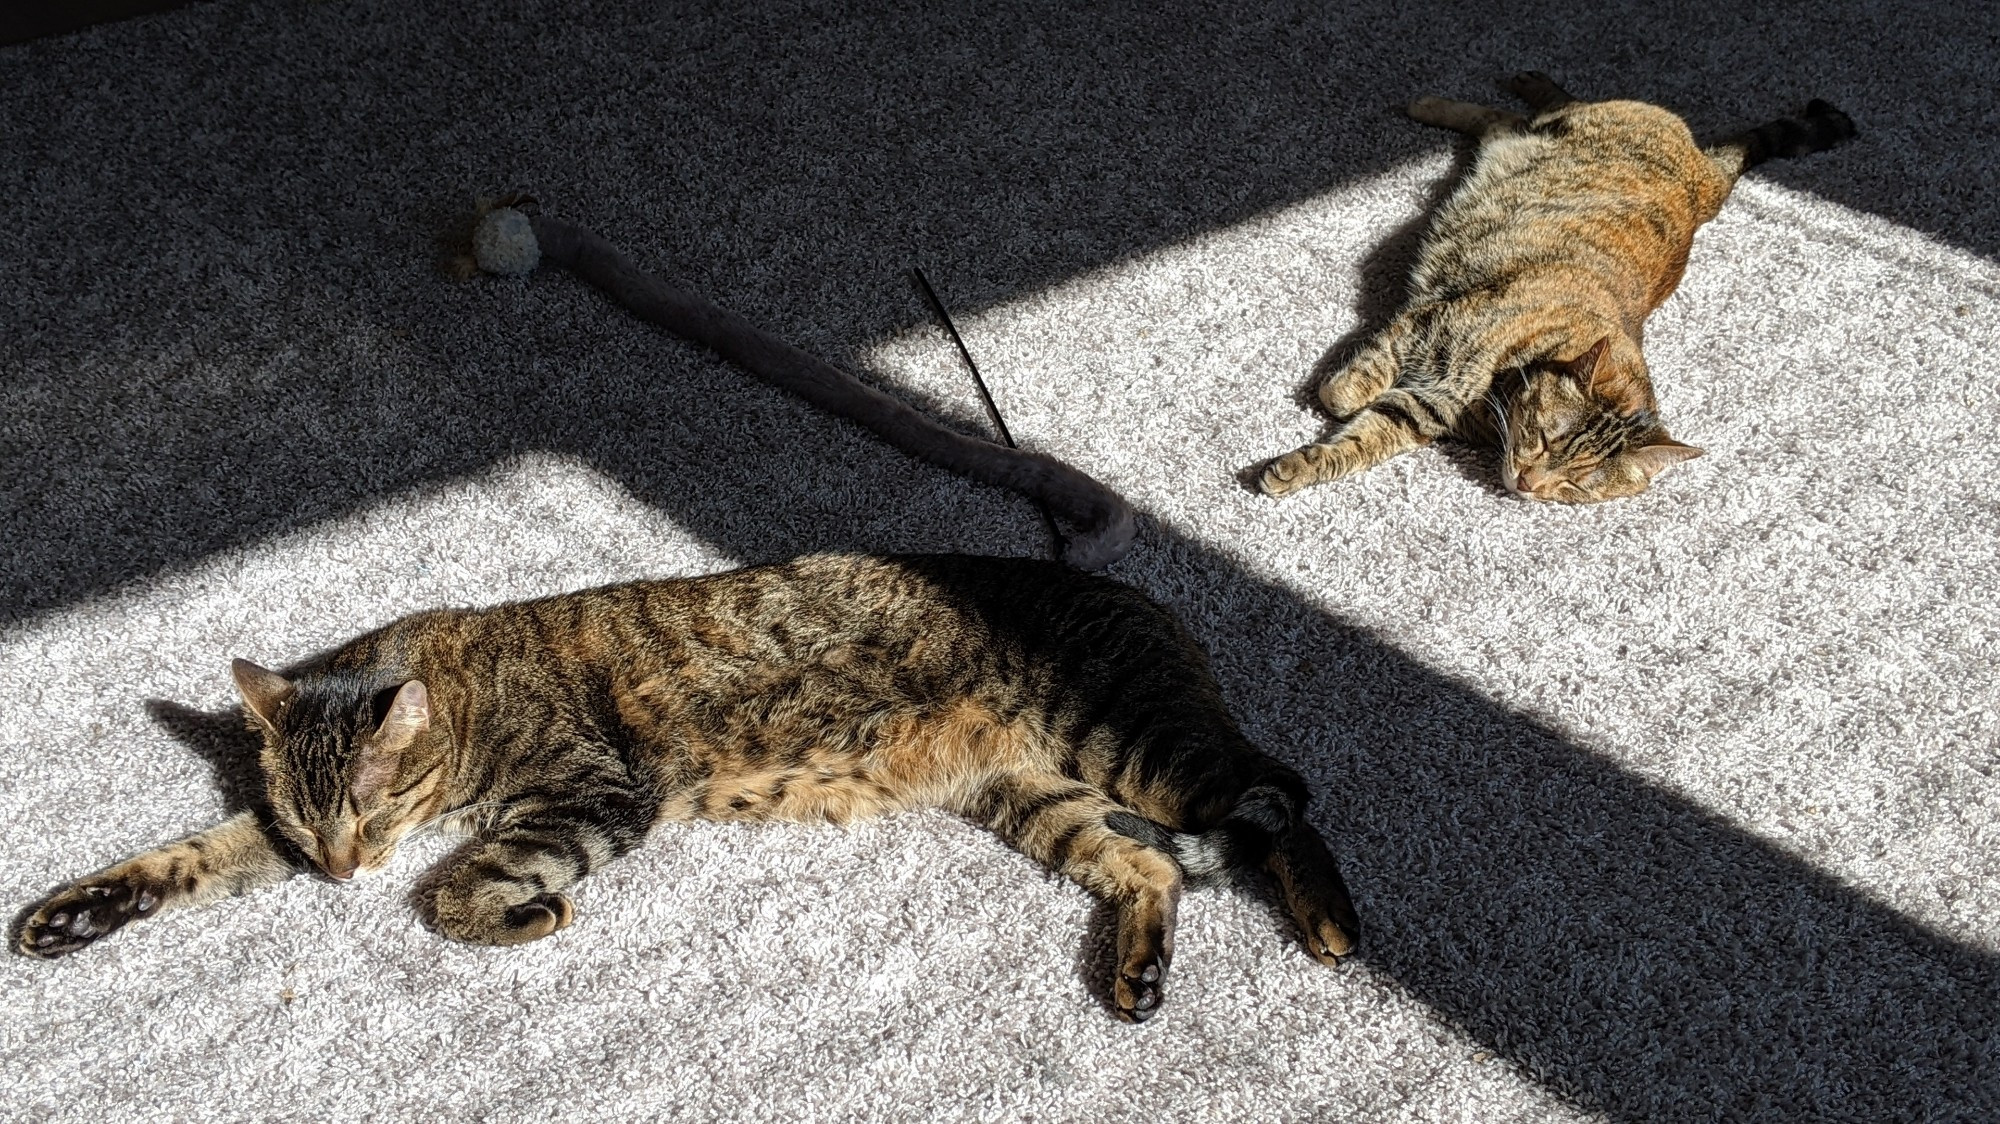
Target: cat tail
x: 510, y: 241
x: 1822, y: 127
x: 1267, y: 828
x: 1264, y: 815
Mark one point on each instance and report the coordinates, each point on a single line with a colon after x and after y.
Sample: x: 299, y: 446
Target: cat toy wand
x: 511, y: 238
x: 985, y: 397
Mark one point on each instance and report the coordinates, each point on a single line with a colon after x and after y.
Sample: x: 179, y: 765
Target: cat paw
x: 1328, y: 940
x: 1537, y: 89
x: 483, y: 915
x: 539, y: 917
x: 1137, y: 991
x: 1286, y: 475
x: 74, y: 917
x: 1344, y: 397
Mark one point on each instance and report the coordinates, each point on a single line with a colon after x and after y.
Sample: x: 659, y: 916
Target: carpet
x: 1678, y: 808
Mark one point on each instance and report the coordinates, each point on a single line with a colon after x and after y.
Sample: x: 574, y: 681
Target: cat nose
x: 1530, y: 481
x: 343, y: 872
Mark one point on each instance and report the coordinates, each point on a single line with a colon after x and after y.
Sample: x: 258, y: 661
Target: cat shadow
x: 1385, y: 278
x: 1097, y: 955
x: 221, y: 739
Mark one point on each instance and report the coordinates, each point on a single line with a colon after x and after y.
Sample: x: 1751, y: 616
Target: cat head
x: 1584, y: 430
x: 350, y: 765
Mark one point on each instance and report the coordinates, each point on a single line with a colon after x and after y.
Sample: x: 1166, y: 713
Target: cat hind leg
x: 1820, y: 128
x: 1122, y: 858
x: 1310, y: 883
x: 1538, y: 90
x: 1463, y: 116
x: 1266, y: 827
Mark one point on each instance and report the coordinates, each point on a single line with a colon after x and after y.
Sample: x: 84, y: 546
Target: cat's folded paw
x: 536, y: 919
x: 481, y: 914
x: 1286, y: 475
x: 74, y: 917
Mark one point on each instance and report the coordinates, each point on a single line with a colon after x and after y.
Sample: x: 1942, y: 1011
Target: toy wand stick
x: 985, y: 396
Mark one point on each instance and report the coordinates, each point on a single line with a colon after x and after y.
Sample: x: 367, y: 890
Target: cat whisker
x: 452, y: 820
x: 1500, y: 424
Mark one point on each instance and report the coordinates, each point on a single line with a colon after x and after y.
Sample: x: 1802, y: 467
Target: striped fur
x: 1522, y: 329
x: 1068, y: 713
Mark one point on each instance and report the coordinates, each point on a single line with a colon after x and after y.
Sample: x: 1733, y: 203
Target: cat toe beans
x: 1137, y: 992
x: 81, y: 914
x: 1145, y: 948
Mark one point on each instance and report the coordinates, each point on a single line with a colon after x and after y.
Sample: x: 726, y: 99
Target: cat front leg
x: 506, y: 887
x: 1395, y: 423
x: 1360, y: 380
x: 229, y: 858
x: 1538, y: 90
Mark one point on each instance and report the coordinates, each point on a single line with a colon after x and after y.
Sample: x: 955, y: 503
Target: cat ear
x: 1583, y: 368
x: 382, y: 755
x: 1609, y: 383
x: 1661, y: 454
x: 262, y: 689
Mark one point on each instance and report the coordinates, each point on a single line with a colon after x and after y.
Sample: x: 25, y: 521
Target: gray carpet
x: 1681, y: 808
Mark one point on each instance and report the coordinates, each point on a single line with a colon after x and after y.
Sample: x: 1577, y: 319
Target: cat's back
x: 1590, y: 149
x: 800, y: 610
x: 1615, y: 183
x: 838, y: 598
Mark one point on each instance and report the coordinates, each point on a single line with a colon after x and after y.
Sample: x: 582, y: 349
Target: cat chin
x: 374, y: 866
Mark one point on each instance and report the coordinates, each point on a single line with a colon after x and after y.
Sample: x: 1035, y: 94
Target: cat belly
x: 868, y: 764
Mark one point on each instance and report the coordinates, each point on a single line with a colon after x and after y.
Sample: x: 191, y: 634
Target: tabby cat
x: 1531, y: 289
x: 1068, y: 713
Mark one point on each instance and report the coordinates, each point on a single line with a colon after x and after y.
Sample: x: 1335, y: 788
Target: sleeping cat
x: 513, y: 237
x: 1531, y: 289
x: 1068, y: 713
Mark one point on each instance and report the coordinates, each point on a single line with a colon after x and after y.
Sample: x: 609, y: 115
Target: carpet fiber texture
x: 1680, y: 808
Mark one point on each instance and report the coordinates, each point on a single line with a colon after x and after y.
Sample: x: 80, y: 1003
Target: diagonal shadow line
x: 169, y: 259
x: 1682, y: 969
